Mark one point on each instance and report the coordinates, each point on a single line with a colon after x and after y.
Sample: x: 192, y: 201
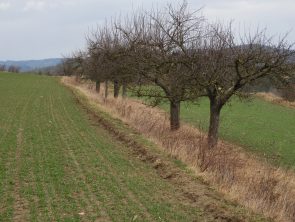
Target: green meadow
x: 255, y: 124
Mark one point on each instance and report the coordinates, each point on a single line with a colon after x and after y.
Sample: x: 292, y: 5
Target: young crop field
x: 255, y: 124
x: 58, y: 164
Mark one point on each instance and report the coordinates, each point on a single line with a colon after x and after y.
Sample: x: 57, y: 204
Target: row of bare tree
x: 176, y: 55
x: 11, y: 68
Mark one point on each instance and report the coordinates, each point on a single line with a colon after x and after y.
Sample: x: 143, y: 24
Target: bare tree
x: 288, y: 92
x: 92, y: 69
x: 109, y: 52
x: 96, y: 67
x: 174, y: 55
x: 2, y: 68
x: 229, y: 63
x: 13, y: 68
x: 75, y: 64
x: 67, y: 69
x: 160, y: 40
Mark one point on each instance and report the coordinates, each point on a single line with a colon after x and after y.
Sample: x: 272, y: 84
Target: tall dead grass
x: 276, y: 99
x: 242, y: 177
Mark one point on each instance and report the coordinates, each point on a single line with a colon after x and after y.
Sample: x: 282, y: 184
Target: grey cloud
x: 48, y: 28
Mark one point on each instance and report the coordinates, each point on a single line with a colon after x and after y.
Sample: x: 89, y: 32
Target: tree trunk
x: 116, y: 89
x: 106, y: 89
x: 124, y: 90
x: 174, y: 115
x: 97, y: 86
x: 215, y: 108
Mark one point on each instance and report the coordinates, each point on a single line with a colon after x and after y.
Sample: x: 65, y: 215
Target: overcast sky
x: 36, y: 29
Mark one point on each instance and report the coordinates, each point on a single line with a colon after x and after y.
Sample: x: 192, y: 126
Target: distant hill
x: 29, y: 65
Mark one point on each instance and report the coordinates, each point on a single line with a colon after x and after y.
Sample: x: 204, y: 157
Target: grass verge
x: 243, y: 177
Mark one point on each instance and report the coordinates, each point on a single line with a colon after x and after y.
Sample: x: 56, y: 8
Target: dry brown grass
x: 241, y: 176
x: 276, y: 99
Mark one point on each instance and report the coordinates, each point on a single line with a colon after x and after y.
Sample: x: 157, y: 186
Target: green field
x: 57, y: 165
x: 256, y: 124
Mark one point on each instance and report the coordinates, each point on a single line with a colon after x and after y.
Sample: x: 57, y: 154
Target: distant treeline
x: 11, y: 68
x: 56, y: 70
